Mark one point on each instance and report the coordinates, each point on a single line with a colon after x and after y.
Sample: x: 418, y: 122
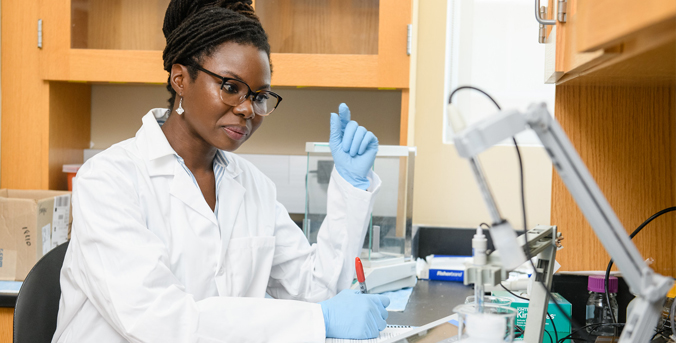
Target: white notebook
x: 389, y: 332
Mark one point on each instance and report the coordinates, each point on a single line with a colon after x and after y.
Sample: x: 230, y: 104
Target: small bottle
x: 597, y: 307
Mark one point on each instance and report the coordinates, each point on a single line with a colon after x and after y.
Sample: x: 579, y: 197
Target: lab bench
x: 429, y: 301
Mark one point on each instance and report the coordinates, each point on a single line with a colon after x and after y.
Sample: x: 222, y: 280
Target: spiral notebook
x: 389, y: 332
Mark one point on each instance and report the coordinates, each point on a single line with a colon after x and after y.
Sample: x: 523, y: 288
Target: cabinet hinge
x: 39, y: 33
x: 409, y: 33
x: 542, y: 30
x: 562, y: 7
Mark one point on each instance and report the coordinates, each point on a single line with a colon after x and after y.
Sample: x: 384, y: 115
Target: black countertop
x: 431, y: 300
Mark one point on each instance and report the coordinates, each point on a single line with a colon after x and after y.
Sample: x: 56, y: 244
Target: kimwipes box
x: 31, y: 224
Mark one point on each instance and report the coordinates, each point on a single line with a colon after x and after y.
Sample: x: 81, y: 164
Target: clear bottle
x: 597, y: 309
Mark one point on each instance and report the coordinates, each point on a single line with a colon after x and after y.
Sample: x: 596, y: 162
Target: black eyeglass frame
x: 249, y: 93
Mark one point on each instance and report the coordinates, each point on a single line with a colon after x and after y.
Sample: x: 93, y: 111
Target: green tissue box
x: 560, y: 321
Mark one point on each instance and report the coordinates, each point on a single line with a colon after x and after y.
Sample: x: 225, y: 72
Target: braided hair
x: 195, y: 28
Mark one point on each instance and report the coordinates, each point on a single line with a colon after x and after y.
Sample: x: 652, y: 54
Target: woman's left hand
x: 353, y: 148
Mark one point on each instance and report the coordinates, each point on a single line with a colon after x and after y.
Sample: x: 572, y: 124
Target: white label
x: 590, y: 312
x: 46, y: 239
x: 60, y: 220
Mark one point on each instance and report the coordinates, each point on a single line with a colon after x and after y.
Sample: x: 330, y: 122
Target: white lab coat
x: 149, y: 261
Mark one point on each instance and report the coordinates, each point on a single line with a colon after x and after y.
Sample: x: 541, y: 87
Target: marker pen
x: 360, y: 275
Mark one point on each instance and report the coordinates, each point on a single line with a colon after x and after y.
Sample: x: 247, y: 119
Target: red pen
x: 360, y: 275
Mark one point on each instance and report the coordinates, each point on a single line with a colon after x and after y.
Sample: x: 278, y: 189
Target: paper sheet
x: 398, y: 299
x: 389, y: 332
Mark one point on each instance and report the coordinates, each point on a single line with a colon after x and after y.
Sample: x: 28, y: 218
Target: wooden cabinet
x: 616, y: 42
x: 6, y: 324
x: 315, y: 43
x: 616, y: 99
x: 47, y: 94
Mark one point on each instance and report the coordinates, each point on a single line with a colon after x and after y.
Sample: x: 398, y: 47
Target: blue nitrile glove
x: 352, y: 315
x: 353, y: 148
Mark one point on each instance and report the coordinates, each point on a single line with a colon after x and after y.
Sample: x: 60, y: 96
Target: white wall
x: 278, y: 147
x: 492, y: 45
x: 497, y: 51
x: 303, y: 115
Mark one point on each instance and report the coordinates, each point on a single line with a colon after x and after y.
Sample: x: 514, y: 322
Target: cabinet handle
x: 562, y: 6
x: 39, y: 33
x: 409, y: 33
x: 541, y: 14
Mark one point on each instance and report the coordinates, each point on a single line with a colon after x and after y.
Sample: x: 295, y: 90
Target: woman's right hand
x: 352, y: 315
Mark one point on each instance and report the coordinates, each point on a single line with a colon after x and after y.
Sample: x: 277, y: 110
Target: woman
x: 176, y: 239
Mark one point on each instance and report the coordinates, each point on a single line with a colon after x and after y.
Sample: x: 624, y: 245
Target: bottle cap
x: 595, y: 283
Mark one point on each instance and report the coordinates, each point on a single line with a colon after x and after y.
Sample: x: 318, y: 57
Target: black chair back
x: 37, y: 304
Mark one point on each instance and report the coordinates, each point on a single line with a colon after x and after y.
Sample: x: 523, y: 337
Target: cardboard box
x: 560, y: 321
x: 31, y: 224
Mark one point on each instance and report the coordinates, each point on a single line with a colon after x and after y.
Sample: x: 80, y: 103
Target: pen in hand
x: 360, y: 275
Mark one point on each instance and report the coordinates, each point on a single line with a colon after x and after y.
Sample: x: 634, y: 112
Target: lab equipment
x: 489, y: 300
x: 387, y: 249
x: 444, y: 268
x: 479, y: 243
x: 649, y: 287
x: 542, y: 241
x: 597, y: 309
x: 353, y: 148
x: 353, y: 315
x: 487, y: 324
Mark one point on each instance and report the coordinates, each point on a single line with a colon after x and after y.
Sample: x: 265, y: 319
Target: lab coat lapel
x: 230, y: 199
x: 184, y: 188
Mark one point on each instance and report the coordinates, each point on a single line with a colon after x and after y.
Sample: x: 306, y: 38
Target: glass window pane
x: 118, y: 24
x: 321, y: 26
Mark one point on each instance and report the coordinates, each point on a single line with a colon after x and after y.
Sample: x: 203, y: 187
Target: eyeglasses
x: 234, y: 92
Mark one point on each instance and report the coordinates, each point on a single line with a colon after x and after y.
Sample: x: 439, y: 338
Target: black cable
x: 606, y: 281
x: 523, y: 208
x: 549, y: 294
x: 551, y: 320
x: 473, y: 88
x: 550, y: 336
x: 512, y: 293
x: 661, y: 332
x: 586, y: 326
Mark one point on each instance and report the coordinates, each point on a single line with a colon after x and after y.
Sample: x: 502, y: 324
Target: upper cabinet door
x: 607, y: 23
x: 317, y: 43
x: 620, y: 42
